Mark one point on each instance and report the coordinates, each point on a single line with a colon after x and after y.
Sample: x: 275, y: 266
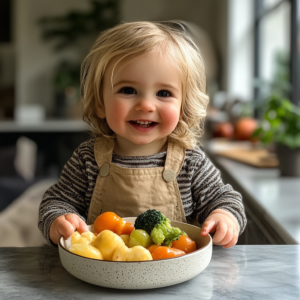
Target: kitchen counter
x: 273, y: 201
x: 242, y: 272
x: 44, y: 126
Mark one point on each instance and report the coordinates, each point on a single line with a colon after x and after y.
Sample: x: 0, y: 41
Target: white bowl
x: 143, y: 274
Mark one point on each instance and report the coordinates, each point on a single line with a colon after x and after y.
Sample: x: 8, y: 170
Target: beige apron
x: 130, y: 192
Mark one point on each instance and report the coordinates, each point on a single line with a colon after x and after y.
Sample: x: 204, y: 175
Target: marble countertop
x: 242, y: 272
x: 276, y: 199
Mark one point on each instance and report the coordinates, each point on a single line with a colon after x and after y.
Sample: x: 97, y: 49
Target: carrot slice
x: 152, y: 248
x: 163, y: 252
x: 185, y: 244
x: 128, y: 228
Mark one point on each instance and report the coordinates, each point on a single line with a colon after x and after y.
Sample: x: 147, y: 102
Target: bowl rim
x: 143, y: 261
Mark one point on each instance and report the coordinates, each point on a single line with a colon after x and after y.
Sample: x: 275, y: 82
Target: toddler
x: 144, y: 97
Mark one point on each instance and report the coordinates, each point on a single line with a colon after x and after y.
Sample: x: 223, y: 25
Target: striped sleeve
x: 210, y: 193
x: 69, y: 194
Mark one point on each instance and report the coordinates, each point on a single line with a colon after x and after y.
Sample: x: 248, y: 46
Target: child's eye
x: 127, y: 90
x: 164, y: 93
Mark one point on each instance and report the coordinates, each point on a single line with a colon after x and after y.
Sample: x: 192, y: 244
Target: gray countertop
x: 275, y: 199
x: 44, y: 126
x: 242, y: 272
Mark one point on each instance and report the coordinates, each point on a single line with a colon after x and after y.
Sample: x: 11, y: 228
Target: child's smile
x: 143, y: 106
x: 143, y: 125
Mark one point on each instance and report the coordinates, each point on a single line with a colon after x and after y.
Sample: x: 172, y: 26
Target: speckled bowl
x: 144, y: 274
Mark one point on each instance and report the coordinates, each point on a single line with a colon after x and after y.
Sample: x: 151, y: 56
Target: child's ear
x: 100, y: 111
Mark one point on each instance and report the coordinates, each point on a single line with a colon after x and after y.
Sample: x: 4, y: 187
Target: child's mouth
x: 143, y: 124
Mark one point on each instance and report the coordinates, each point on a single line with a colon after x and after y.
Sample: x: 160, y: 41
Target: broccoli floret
x: 150, y: 219
x: 158, y: 226
x: 157, y: 236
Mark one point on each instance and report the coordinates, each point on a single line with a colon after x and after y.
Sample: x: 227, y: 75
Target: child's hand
x: 65, y: 225
x: 225, y: 227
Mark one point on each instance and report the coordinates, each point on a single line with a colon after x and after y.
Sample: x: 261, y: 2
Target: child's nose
x: 145, y: 105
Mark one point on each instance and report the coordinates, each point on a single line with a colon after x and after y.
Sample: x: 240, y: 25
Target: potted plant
x: 280, y: 125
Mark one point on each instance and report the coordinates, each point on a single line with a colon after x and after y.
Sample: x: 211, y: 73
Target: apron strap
x: 174, y: 161
x: 103, y: 150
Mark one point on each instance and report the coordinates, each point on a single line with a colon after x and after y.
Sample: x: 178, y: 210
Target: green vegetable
x: 139, y: 237
x: 173, y: 235
x: 158, y: 234
x: 149, y: 219
x: 158, y: 226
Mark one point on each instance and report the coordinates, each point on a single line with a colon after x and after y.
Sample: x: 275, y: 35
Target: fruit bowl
x: 140, y: 274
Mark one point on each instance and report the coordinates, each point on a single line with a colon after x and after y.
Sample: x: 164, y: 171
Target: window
x: 275, y: 43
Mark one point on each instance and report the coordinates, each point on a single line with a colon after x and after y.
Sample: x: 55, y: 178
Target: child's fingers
x: 207, y: 227
x: 232, y: 242
x: 65, y: 225
x: 60, y: 227
x: 228, y: 237
x: 221, y: 231
x: 65, y: 229
x: 77, y: 222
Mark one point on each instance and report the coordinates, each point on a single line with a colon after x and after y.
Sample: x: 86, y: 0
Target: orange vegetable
x: 152, y: 248
x: 111, y: 221
x: 163, y: 252
x: 185, y: 244
x: 128, y: 228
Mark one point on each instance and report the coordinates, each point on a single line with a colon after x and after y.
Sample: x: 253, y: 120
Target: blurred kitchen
x: 251, y: 55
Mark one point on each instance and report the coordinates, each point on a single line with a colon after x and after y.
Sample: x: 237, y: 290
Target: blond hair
x: 136, y: 38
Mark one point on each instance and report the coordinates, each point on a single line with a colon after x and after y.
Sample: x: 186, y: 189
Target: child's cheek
x: 117, y: 115
x: 170, y: 116
x: 120, y: 111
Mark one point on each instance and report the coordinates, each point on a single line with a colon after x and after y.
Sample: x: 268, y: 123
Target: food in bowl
x: 152, y: 237
x: 140, y: 275
x: 106, y: 246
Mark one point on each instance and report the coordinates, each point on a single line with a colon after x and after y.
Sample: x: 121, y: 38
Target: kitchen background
x: 250, y: 51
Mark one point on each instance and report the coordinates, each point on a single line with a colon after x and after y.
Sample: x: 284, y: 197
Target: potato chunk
x: 107, y: 242
x: 136, y: 253
x: 86, y: 251
x: 125, y: 238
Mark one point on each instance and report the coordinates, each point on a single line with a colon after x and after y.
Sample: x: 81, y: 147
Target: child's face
x: 144, y: 104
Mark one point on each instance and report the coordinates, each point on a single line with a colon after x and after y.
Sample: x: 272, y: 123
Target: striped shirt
x: 200, y: 185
